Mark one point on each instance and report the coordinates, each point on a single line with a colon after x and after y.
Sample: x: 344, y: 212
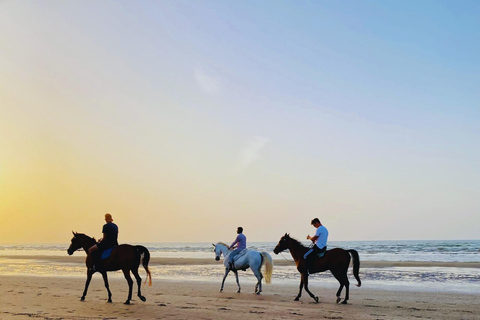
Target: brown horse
x: 123, y: 257
x: 336, y: 260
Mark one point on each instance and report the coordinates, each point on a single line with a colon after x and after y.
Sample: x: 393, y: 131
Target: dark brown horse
x: 336, y: 260
x: 123, y: 257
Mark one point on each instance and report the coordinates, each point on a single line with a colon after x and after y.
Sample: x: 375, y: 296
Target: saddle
x: 240, y: 254
x: 106, y: 253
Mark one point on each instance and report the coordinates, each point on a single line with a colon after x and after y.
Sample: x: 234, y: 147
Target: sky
x: 187, y: 119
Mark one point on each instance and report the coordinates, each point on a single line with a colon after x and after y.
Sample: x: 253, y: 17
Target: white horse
x: 250, y: 259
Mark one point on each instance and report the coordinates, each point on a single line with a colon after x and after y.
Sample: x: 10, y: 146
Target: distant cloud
x: 251, y: 152
x: 208, y: 82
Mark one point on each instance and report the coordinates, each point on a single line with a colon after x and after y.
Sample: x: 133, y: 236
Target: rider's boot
x: 94, y: 258
x: 308, y: 264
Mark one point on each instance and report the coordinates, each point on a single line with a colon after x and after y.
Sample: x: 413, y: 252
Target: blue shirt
x: 241, y: 240
x: 322, y: 234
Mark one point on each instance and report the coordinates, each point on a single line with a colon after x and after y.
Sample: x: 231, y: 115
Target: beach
x: 271, y: 129
x: 405, y: 280
x: 53, y: 297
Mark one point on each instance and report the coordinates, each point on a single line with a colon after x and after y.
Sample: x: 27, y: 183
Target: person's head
x: 108, y: 217
x: 316, y: 223
x: 239, y: 230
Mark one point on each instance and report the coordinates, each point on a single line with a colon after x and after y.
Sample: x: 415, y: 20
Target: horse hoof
x: 143, y: 298
x: 109, y: 300
x: 316, y: 299
x: 296, y: 299
x: 127, y: 302
x: 238, y: 291
x: 344, y: 302
x: 338, y: 299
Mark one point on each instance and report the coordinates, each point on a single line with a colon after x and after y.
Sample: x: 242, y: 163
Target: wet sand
x: 207, y: 261
x: 53, y: 297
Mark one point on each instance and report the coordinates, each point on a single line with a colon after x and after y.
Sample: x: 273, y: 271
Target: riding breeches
x: 233, y: 254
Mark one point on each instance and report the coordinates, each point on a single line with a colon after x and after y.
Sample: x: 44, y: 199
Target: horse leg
x: 258, y: 286
x: 347, y: 290
x: 87, y: 283
x: 301, y: 288
x: 236, y: 278
x: 305, y: 281
x: 126, y: 273
x: 105, y: 280
x: 139, y: 283
x: 227, y: 270
x: 342, y: 278
x: 255, y: 263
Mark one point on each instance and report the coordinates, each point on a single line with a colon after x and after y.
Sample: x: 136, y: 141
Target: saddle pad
x: 240, y: 254
x: 321, y: 254
x: 106, y: 254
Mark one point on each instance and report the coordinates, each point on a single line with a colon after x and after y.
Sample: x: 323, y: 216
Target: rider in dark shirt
x: 110, y: 235
x: 109, y: 240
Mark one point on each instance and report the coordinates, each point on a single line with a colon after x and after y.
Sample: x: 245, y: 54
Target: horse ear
x: 74, y: 233
x: 213, y: 245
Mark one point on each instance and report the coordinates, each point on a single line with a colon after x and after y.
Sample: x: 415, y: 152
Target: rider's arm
x: 312, y: 238
x: 233, y: 243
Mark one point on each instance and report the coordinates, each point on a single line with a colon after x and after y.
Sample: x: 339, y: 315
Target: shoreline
x: 279, y: 262
x: 46, y: 297
x: 406, y: 276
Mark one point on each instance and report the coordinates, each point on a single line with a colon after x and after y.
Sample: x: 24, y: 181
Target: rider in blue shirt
x: 320, y: 242
x: 240, y: 243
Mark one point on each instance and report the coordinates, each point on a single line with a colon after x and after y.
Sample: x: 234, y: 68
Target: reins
x: 286, y: 258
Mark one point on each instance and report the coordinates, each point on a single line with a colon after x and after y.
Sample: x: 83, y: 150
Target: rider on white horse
x: 240, y: 243
x: 251, y: 259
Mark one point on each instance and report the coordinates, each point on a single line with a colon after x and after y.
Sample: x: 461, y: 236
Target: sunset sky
x: 187, y: 119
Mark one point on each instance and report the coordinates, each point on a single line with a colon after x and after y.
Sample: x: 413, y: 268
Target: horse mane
x: 298, y: 243
x: 223, y: 243
x: 85, y: 236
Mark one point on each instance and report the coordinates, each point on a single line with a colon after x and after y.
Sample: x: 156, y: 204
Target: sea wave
x: 433, y: 250
x: 415, y: 276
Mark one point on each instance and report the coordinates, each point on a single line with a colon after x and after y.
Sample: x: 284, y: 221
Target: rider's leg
x: 231, y: 257
x: 310, y: 256
x: 93, y: 257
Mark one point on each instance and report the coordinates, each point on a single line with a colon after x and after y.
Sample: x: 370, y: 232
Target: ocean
x: 448, y: 266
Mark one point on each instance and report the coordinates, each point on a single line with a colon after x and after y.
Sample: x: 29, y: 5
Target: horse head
x: 217, y: 255
x: 80, y: 241
x: 282, y: 244
x: 74, y: 244
x: 219, y: 248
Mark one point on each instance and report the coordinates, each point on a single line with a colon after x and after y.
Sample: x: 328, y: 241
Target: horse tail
x: 268, y: 262
x: 146, y: 259
x: 356, y: 266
